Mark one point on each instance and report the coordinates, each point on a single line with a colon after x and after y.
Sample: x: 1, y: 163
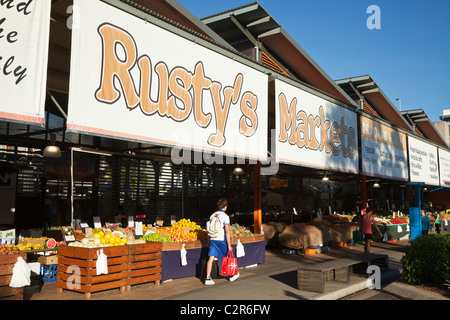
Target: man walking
x: 220, y: 245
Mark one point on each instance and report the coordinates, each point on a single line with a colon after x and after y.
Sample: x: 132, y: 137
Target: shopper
x: 426, y: 226
x: 221, y: 244
x: 366, y: 225
x: 437, y: 223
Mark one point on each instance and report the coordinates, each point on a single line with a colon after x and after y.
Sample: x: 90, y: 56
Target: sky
x: 408, y: 56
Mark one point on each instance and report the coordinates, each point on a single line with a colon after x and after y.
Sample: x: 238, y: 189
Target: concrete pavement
x: 275, y: 280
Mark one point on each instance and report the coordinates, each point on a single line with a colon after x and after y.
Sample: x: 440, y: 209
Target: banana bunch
x: 28, y: 246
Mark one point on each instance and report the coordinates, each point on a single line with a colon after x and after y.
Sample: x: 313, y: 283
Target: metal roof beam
x: 259, y: 21
x: 371, y: 91
x: 247, y: 33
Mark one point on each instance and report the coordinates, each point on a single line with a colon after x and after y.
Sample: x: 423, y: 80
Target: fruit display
x: 187, y: 223
x: 28, y: 247
x: 398, y: 221
x: 177, y: 234
x: 41, y: 243
x: 100, y: 238
x: 240, y: 231
x: 181, y: 231
x: 7, y: 249
x: 156, y: 237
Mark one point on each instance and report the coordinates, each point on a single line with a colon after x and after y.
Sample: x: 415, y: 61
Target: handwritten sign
x: 384, y: 150
x: 24, y: 42
x: 423, y: 162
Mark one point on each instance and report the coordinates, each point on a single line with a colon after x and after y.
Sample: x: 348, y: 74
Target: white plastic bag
x: 183, y: 254
x: 21, y: 274
x: 385, y: 237
x: 399, y: 229
x: 102, y: 263
x: 240, y: 252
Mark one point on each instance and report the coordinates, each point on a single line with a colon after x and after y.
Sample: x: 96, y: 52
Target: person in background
x: 426, y: 226
x: 366, y: 225
x: 437, y: 223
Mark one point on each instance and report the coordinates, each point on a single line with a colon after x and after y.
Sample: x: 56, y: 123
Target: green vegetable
x: 156, y: 237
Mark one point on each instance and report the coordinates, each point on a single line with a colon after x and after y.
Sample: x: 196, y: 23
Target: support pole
x: 257, y: 198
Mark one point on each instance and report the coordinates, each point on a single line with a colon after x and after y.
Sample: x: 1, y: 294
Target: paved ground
x: 276, y: 280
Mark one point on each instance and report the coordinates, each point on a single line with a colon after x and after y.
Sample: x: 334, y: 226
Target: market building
x: 110, y: 173
x: 327, y: 181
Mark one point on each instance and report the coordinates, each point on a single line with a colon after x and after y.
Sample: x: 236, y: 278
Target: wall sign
x: 312, y: 131
x: 444, y: 167
x: 423, y: 162
x: 383, y: 150
x: 133, y: 80
x: 24, y: 42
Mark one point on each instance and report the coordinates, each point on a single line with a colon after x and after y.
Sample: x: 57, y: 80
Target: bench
x: 313, y: 277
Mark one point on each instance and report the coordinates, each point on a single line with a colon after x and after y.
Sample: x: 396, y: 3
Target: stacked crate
x: 144, y: 264
x: 7, y: 263
x: 77, y: 269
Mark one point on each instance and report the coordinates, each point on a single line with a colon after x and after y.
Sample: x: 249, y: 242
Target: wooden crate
x: 77, y: 269
x: 144, y: 263
x: 7, y: 263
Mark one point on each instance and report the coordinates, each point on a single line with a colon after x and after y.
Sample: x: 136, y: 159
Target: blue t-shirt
x: 426, y: 223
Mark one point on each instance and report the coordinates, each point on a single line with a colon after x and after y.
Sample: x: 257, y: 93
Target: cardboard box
x: 48, y: 260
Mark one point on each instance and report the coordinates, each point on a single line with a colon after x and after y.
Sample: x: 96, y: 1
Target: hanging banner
x: 133, y: 80
x: 383, y: 150
x: 24, y: 43
x: 423, y: 162
x: 312, y: 131
x: 444, y: 167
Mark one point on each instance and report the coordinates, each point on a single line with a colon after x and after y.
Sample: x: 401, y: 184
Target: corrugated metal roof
x: 424, y: 127
x: 365, y: 88
x: 252, y: 25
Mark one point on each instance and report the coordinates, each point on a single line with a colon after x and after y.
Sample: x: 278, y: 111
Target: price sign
x: 68, y: 234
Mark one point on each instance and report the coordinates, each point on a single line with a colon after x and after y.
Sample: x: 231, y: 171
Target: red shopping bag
x: 229, y: 265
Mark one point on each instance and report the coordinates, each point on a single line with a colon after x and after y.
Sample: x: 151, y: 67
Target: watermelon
x: 50, y: 243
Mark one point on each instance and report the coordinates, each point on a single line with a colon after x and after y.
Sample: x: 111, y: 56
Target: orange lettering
x: 222, y: 111
x: 313, y: 123
x: 335, y: 138
x: 148, y: 106
x: 351, y: 143
x: 249, y: 104
x: 287, y: 119
x: 325, y: 125
x: 179, y: 85
x: 114, y: 67
x: 344, y: 131
x: 200, y: 83
x: 302, y: 130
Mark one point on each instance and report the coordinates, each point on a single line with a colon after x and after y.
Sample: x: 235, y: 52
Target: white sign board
x: 423, y: 162
x: 383, y: 150
x: 311, y: 131
x: 131, y: 79
x: 444, y: 167
x: 24, y: 43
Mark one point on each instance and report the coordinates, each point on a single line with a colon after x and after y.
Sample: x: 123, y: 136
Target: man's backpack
x: 215, y: 226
